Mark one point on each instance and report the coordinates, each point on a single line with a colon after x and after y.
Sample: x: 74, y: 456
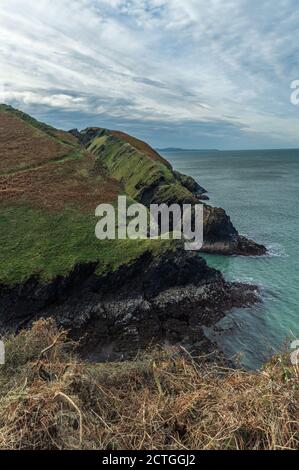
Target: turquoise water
x: 260, y: 191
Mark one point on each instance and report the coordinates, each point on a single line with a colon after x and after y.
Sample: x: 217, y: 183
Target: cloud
x: 156, y: 62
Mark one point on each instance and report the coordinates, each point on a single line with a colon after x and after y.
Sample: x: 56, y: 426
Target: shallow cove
x: 259, y: 190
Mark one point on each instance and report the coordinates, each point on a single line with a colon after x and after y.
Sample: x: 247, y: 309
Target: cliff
x: 123, y: 294
x: 150, y: 179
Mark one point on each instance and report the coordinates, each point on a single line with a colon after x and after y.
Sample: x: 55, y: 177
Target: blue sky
x: 187, y: 73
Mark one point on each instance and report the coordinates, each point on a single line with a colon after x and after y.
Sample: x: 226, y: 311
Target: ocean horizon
x: 259, y: 190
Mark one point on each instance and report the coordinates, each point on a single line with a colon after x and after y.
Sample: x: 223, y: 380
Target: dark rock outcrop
x: 249, y: 247
x: 221, y: 237
x: 190, y: 184
x: 124, y: 311
x: 87, y: 135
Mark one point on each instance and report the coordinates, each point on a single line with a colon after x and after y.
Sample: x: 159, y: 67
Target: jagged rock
x: 124, y: 310
x: 190, y: 183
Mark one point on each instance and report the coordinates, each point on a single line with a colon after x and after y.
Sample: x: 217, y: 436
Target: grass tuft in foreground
x: 49, y: 399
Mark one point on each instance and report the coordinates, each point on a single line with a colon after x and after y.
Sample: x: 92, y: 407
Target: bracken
x: 164, y: 399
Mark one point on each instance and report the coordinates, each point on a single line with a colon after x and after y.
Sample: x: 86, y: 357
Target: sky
x: 176, y: 73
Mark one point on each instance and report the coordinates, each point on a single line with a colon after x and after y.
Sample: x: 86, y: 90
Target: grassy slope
x: 151, y: 181
x: 160, y: 401
x: 138, y: 170
x: 61, y: 136
x: 141, y: 146
x: 47, y: 244
x: 48, y: 198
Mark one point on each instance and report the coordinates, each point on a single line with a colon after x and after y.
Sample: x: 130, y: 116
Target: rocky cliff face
x: 153, y: 299
x: 148, y: 179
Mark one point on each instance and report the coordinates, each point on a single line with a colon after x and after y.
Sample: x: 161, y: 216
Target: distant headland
x: 176, y: 149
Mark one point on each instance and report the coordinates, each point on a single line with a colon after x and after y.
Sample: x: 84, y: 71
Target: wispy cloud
x: 152, y: 66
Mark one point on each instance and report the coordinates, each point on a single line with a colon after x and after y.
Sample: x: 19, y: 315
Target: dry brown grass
x: 39, y: 170
x: 22, y: 146
x: 55, y: 185
x: 165, y: 400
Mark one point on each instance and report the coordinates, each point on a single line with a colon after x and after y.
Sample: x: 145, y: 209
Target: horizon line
x: 160, y: 149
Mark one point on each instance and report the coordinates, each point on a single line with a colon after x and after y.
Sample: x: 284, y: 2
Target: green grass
x: 135, y: 170
x: 47, y: 244
x: 175, y: 193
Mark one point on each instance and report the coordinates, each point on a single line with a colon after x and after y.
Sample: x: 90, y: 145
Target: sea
x: 260, y: 192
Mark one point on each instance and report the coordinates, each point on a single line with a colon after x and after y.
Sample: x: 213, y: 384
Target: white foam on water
x: 277, y: 250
